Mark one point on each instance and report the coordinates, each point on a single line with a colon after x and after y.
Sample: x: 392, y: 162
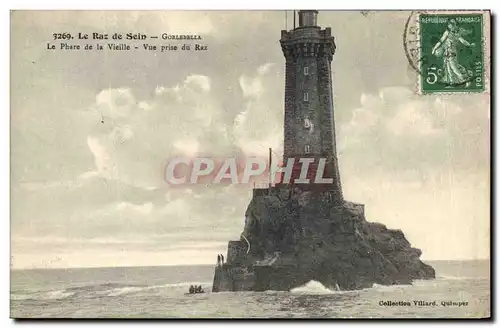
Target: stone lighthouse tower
x: 296, y: 231
x: 309, y: 111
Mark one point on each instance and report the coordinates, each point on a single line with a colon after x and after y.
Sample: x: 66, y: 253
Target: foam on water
x: 389, y: 287
x: 183, y: 286
x: 313, y: 287
x: 125, y: 290
x: 104, y: 290
x: 441, y: 277
x: 20, y: 297
x: 50, y: 295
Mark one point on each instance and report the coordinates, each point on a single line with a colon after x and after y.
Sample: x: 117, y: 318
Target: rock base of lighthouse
x: 292, y: 236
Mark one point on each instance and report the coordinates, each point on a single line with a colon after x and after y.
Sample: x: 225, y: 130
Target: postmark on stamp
x: 447, y: 51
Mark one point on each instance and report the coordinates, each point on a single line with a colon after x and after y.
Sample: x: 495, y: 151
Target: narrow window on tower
x: 306, y: 70
x: 307, y: 149
x: 307, y: 123
x: 306, y: 96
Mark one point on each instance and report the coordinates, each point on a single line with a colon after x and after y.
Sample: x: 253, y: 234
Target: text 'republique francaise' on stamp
x: 449, y: 50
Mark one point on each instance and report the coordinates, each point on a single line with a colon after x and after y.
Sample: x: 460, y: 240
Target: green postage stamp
x: 449, y: 52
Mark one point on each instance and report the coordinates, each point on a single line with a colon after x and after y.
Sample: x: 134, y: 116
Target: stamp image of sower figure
x: 452, y: 55
x: 454, y: 73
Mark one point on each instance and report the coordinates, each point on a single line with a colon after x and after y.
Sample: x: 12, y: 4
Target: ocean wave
x: 102, y: 287
x: 20, y: 297
x: 132, y: 289
x: 104, y: 290
x: 124, y: 290
x: 389, y: 287
x: 58, y: 294
x: 443, y: 277
x: 315, y: 287
x: 187, y: 284
x: 49, y: 295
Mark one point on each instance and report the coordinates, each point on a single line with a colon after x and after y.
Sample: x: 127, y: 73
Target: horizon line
x: 194, y: 265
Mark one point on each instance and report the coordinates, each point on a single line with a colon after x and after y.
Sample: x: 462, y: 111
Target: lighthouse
x: 309, y: 127
x: 296, y: 231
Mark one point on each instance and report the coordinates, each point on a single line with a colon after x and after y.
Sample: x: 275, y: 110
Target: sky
x: 91, y: 133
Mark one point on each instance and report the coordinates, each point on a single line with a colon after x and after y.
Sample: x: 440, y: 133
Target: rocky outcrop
x: 327, y: 242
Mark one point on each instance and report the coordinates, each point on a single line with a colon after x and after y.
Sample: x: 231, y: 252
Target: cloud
x: 143, y: 209
x: 200, y: 80
x: 412, y: 120
x: 124, y: 194
x: 252, y: 86
x: 397, y: 110
x: 115, y: 103
x: 260, y: 125
x: 136, y: 136
x: 188, y: 147
x: 396, y: 130
x: 103, y: 161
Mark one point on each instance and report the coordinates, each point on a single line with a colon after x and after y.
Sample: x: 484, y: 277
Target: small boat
x: 195, y: 290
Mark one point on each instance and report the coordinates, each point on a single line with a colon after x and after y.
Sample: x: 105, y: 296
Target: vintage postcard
x: 250, y: 164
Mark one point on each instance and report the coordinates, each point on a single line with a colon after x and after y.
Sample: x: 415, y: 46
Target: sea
x: 461, y: 290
